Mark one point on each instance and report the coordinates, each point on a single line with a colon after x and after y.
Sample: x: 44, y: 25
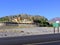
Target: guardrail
x: 29, y: 39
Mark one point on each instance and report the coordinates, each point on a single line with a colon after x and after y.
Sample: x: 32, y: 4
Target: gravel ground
x: 26, y: 31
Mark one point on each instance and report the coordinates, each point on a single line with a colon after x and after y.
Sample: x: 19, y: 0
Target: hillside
x: 21, y: 17
x: 25, y: 18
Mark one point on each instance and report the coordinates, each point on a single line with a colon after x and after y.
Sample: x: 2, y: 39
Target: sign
x: 55, y: 24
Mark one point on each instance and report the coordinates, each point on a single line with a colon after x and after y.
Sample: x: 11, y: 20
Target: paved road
x: 29, y: 39
x: 46, y: 43
x: 53, y: 43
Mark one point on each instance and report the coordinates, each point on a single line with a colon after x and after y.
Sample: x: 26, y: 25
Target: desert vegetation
x: 25, y: 18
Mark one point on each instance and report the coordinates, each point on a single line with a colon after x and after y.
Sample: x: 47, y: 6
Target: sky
x: 46, y: 8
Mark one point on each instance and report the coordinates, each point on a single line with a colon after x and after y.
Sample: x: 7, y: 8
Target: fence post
x: 58, y: 29
x: 54, y: 30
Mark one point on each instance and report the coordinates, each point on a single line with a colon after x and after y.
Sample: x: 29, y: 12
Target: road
x: 29, y: 39
x: 46, y: 43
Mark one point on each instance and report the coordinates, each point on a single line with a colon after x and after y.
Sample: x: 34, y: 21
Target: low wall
x: 16, y: 24
x: 27, y: 25
x: 2, y: 24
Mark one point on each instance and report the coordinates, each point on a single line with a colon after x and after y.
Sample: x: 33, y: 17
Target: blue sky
x: 46, y: 8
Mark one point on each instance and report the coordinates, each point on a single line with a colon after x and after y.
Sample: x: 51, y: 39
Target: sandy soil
x: 26, y: 31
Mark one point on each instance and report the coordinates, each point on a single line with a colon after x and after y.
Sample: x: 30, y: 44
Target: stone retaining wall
x: 16, y: 24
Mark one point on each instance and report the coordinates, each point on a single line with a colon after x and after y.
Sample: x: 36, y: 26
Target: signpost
x: 56, y: 25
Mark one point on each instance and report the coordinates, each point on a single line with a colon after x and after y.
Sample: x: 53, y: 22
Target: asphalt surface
x: 30, y: 39
x: 46, y: 43
x: 53, y: 43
